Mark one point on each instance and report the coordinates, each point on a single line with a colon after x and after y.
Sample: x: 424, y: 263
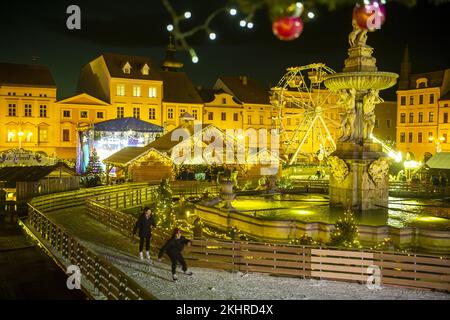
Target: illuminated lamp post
x: 20, y: 134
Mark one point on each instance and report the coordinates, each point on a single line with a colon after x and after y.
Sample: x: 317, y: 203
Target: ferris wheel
x: 303, y: 112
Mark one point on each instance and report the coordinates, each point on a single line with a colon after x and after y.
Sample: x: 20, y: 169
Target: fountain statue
x: 359, y: 168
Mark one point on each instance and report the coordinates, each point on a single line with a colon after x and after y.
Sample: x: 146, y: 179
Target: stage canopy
x: 126, y: 124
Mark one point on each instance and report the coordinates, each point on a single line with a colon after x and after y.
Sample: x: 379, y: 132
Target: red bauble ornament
x: 370, y: 16
x: 287, y: 28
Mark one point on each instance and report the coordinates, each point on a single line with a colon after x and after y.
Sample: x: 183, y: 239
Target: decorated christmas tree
x: 94, y: 171
x: 164, y: 205
x: 345, y: 233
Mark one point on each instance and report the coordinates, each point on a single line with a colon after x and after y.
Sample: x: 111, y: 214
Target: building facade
x: 421, y: 109
x: 28, y: 118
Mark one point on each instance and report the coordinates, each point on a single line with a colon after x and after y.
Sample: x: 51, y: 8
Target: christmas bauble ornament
x: 287, y: 28
x: 370, y: 16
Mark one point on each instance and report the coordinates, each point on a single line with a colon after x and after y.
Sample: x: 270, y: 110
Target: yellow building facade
x: 28, y: 118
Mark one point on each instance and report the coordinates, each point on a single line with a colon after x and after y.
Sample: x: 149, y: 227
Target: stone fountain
x: 359, y: 168
x: 226, y: 193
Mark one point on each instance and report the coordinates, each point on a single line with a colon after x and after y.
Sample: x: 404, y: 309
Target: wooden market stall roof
x: 128, y: 155
x: 12, y: 175
x: 440, y: 160
x: 162, y: 145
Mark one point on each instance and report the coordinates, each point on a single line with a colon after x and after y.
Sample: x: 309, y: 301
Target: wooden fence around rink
x: 393, y: 269
x: 104, y: 277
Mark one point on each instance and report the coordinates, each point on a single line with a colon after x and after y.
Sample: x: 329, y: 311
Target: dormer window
x: 145, y: 70
x: 126, y: 68
x: 421, y: 83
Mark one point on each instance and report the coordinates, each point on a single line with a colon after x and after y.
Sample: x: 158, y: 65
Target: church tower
x: 405, y: 70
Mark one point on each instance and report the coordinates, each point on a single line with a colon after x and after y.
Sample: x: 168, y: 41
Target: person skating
x: 144, y: 224
x: 173, y: 247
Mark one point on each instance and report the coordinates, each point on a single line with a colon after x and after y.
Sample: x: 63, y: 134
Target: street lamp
x: 20, y: 134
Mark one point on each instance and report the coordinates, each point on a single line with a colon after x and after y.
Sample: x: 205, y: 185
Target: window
x: 388, y: 123
x: 403, y: 100
x: 430, y: 137
x: 120, y: 112
x: 236, y: 116
x: 12, y: 110
x: 66, y: 135
x: 83, y: 114
x: 444, y: 138
x: 145, y: 70
x: 411, y: 117
x: 12, y: 135
x: 137, y: 113
x: 411, y: 100
x: 126, y: 68
x: 249, y: 119
x: 419, y: 137
x: 445, y: 117
x: 28, y: 110
x: 421, y: 99
x: 195, y: 114
x: 43, y: 111
x: 210, y: 116
x: 377, y: 124
x: 170, y: 113
x: 402, y: 117
x: 289, y: 121
x: 402, y: 137
x: 66, y: 113
x: 100, y: 114
x: 224, y: 100
x: 121, y: 90
x: 152, y: 92
x: 261, y: 119
x: 410, y: 137
x: 431, y: 117
x: 43, y: 135
x: 182, y: 112
x: 152, y: 113
x: 136, y: 91
x: 29, y: 136
x: 224, y: 116
x: 431, y: 98
x: 420, y: 117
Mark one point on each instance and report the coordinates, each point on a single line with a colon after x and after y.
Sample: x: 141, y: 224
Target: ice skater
x: 144, y: 224
x: 173, y: 247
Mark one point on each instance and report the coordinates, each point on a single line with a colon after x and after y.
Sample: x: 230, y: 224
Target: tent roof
x: 440, y: 160
x: 127, y: 124
x: 33, y: 173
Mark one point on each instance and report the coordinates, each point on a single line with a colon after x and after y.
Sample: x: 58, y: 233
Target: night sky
x: 38, y: 28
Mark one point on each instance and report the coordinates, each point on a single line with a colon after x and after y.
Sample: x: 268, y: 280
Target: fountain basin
x: 361, y: 80
x: 408, y: 225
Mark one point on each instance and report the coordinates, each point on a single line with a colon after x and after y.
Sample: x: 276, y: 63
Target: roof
x: 167, y: 142
x: 162, y: 145
x: 440, y: 160
x: 208, y: 95
x: 127, y: 124
x: 125, y: 155
x: 245, y: 89
x: 435, y: 79
x: 179, y: 88
x: 115, y: 62
x: 26, y: 75
x: 30, y: 174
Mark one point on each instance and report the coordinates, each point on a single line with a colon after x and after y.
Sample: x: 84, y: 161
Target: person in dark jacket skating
x: 144, y: 224
x: 173, y: 247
